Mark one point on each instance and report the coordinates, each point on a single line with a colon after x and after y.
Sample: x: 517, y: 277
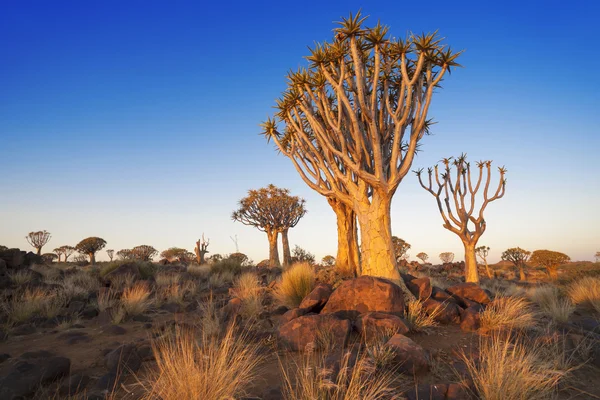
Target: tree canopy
x: 38, y: 240
x: 401, y: 248
x: 144, y: 252
x: 549, y: 259
x: 90, y: 246
x: 447, y: 257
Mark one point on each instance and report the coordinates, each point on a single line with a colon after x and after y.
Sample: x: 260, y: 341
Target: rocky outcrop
x: 309, y: 331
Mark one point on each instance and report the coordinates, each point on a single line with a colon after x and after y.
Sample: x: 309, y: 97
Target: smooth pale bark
x: 471, y: 274
x: 273, y: 251
x: 39, y: 251
x: 287, y: 255
x: 347, y: 260
x: 92, y: 258
x: 487, y: 269
x: 522, y: 275
x: 552, y: 272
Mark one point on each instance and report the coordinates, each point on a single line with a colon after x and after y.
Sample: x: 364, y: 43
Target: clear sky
x: 137, y: 121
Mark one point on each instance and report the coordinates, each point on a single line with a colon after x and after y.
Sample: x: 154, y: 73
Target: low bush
x: 227, y: 265
x: 508, y: 313
x: 552, y: 304
x: 295, y: 284
x: 136, y: 299
x: 586, y: 292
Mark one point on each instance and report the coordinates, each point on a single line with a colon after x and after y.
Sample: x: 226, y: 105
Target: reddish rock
x: 372, y: 324
x: 470, y: 319
x: 233, y: 307
x: 292, y: 314
x: 469, y: 291
x: 130, y: 268
x: 445, y: 313
x: 425, y: 391
x: 456, y: 391
x: 420, y: 287
x: 307, y: 330
x: 409, y: 356
x: 442, y: 296
x: 364, y: 294
x: 316, y: 300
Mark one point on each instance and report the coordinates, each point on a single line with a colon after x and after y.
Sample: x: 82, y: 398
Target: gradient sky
x: 137, y: 121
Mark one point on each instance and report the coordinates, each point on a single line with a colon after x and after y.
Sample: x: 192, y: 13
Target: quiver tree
x: 401, y: 248
x: 455, y: 193
x: 518, y: 257
x: 550, y: 260
x: 446, y: 257
x: 201, y: 249
x: 64, y: 250
x: 422, y: 256
x: 348, y: 257
x: 597, y: 256
x: 482, y: 252
x: 49, y: 257
x: 176, y: 254
x: 110, y: 253
x: 144, y: 252
x: 38, y: 240
x: 328, y: 261
x: 294, y: 211
x: 90, y: 246
x: 125, y: 254
x: 270, y: 210
x: 353, y: 119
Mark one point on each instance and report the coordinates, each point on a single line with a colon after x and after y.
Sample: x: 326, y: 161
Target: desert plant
x: 167, y: 278
x: 49, y: 257
x: 518, y: 257
x: 107, y: 299
x: 423, y: 257
x: 211, y: 317
x: 38, y: 240
x: 199, y: 271
x: 458, y: 216
x: 177, y: 254
x: 33, y: 302
x: 417, y: 319
x: 447, y: 257
x: 296, y: 283
x: 144, y: 252
x: 228, y: 265
x: 586, y: 291
x: 90, y: 246
x: 299, y: 255
x: 551, y: 303
x: 248, y: 289
x: 125, y: 254
x: 550, y: 260
x: 271, y: 210
x: 201, y: 249
x: 328, y: 261
x: 64, y: 250
x: 122, y: 281
x: 177, y: 292
x: 136, y: 298
x: 79, y: 284
x: 110, y: 253
x: 21, y: 277
x: 508, y: 313
x: 482, y: 252
x: 401, y: 248
x: 356, y: 142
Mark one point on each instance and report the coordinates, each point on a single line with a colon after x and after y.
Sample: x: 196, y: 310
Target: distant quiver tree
x: 90, y: 246
x: 38, y: 240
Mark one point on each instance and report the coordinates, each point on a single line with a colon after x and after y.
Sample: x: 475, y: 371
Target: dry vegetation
x: 297, y: 282
x: 508, y: 313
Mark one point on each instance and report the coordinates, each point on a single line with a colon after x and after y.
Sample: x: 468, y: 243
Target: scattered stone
x: 420, y: 287
x: 409, y: 356
x: 25, y: 377
x: 26, y: 329
x: 75, y: 307
x: 309, y: 330
x: 425, y: 391
x: 372, y: 324
x: 364, y: 294
x: 114, y: 330
x: 444, y: 313
x: 73, y: 384
x: 171, y: 307
x: 4, y: 357
x: 442, y: 296
x: 123, y: 360
x: 470, y: 319
x: 293, y: 314
x: 469, y: 291
x: 317, y: 298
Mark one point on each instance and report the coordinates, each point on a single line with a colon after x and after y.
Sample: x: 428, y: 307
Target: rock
x: 141, y: 318
x: 364, y: 294
x: 130, y: 268
x: 145, y: 352
x: 31, y: 258
x: 280, y: 310
x: 469, y: 291
x: 25, y: 377
x: 309, y: 330
x: 409, y: 356
x: 456, y: 391
x: 292, y: 314
x: 444, y: 313
x: 442, y: 296
x: 89, y: 312
x: 425, y: 391
x: 171, y: 307
x: 233, y: 307
x: 106, y: 383
x: 75, y: 307
x: 105, y: 317
x: 4, y: 357
x: 372, y: 324
x: 470, y: 319
x: 73, y: 384
x: 114, y: 330
x: 420, y: 287
x: 13, y: 258
x: 407, y: 277
x: 317, y: 298
x: 22, y: 330
x: 123, y: 360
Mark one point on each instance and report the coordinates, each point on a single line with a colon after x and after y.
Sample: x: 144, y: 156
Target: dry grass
x: 248, y: 289
x: 177, y: 292
x: 586, y: 292
x: 296, y: 283
x: 33, y: 302
x: 107, y: 299
x: 549, y: 299
x: 120, y: 282
x: 507, y: 313
x: 163, y: 279
x: 199, y: 271
x: 21, y: 277
x: 312, y: 378
x: 211, y: 319
x: 80, y: 284
x: 208, y: 367
x: 136, y: 299
x: 512, y: 370
x: 417, y: 318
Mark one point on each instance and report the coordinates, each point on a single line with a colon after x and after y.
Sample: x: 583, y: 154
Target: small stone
x: 114, y: 330
x: 409, y: 356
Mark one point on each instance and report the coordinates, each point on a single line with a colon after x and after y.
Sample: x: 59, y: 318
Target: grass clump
x: 33, y: 302
x: 177, y: 292
x: 248, y: 289
x: 586, y: 292
x: 417, y: 319
x: 550, y: 301
x: 295, y: 284
x: 508, y: 313
x: 21, y: 277
x: 107, y: 299
x: 167, y: 279
x: 227, y: 265
x: 136, y: 299
x: 199, y: 271
x: 205, y: 367
x: 79, y: 284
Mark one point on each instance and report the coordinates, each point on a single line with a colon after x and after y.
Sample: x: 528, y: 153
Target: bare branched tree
x: 518, y: 257
x: 353, y: 121
x: 447, y: 257
x: 422, y: 256
x: 456, y: 195
x: 201, y: 249
x: 270, y: 210
x: 110, y: 253
x: 90, y: 246
x: 38, y: 240
x: 482, y: 252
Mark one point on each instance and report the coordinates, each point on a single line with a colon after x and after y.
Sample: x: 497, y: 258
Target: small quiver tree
x: 90, y: 246
x: 201, y: 249
x: 144, y: 252
x: 49, y: 257
x: 597, y: 256
x: 401, y: 248
x: 423, y: 257
x: 456, y: 195
x: 38, y: 240
x: 518, y: 257
x: 482, y: 252
x: 59, y: 251
x: 125, y: 254
x: 110, y: 253
x: 328, y: 261
x: 446, y: 257
x: 550, y: 260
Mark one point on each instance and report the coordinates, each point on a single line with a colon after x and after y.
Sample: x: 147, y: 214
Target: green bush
x: 230, y: 265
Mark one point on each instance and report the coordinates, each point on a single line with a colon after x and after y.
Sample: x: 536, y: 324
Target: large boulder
x: 469, y: 291
x: 127, y: 269
x: 31, y: 258
x: 123, y: 360
x: 444, y: 313
x: 30, y: 372
x: 14, y: 258
x: 408, y: 355
x: 470, y: 319
x: 308, y: 331
x: 373, y: 324
x: 364, y: 294
x: 420, y: 287
x: 317, y: 298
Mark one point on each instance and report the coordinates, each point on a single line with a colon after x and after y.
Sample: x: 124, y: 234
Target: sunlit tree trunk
x: 273, y: 251
x: 287, y: 255
x: 522, y: 275
x: 471, y: 274
x: 92, y: 258
x: 347, y: 259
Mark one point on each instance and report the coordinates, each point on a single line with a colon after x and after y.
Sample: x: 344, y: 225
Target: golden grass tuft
x: 207, y: 367
x: 508, y: 313
x: 248, y: 289
x: 199, y: 271
x: 586, y: 292
x: 136, y: 299
x: 163, y: 279
x: 106, y: 299
x: 417, y: 319
x: 33, y: 302
x: 21, y: 277
x: 211, y: 319
x: 550, y: 301
x: 296, y: 283
x: 177, y: 292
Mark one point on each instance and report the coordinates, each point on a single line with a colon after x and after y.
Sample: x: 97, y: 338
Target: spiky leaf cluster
x: 516, y: 255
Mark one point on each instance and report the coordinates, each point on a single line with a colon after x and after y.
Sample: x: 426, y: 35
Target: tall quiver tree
x: 348, y: 257
x: 38, y: 240
x: 482, y: 252
x: 550, y: 260
x: 269, y: 210
x: 353, y: 120
x: 90, y: 246
x: 201, y: 249
x: 456, y: 198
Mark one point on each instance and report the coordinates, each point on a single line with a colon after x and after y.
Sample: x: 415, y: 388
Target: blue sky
x: 138, y: 121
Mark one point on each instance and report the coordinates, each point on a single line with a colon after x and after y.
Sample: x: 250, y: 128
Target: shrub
x: 214, y: 368
x: 586, y: 292
x: 79, y: 284
x: 551, y: 303
x: 248, y: 289
x: 21, y: 277
x: 107, y: 299
x: 508, y: 313
x: 296, y: 283
x: 228, y: 265
x: 167, y: 279
x: 120, y: 282
x: 33, y: 302
x: 299, y: 255
x: 417, y: 319
x: 199, y: 271
x: 177, y: 292
x: 136, y: 299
